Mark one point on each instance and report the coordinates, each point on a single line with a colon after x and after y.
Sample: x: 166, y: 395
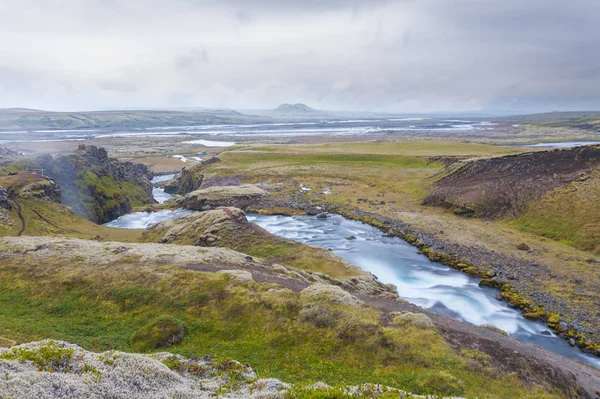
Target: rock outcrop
x: 45, y: 189
x: 7, y: 155
x: 58, y: 369
x: 243, y: 197
x: 4, y: 202
x: 190, y: 178
x: 96, y: 186
x: 216, y: 227
x: 506, y: 186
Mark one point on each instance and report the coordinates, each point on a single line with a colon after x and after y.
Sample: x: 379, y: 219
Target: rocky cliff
x: 190, y: 178
x: 7, y: 155
x: 506, y: 186
x: 4, y: 202
x: 96, y: 186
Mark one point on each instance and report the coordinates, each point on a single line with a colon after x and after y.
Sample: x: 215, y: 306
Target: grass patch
x: 120, y: 307
x: 163, y: 331
x: 570, y: 215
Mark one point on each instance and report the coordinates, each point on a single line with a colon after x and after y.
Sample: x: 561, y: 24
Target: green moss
x: 570, y: 214
x: 554, y: 320
x: 163, y: 331
x: 226, y: 320
x: 48, y: 357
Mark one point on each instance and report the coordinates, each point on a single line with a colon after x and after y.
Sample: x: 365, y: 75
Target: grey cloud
x: 392, y: 55
x: 193, y: 58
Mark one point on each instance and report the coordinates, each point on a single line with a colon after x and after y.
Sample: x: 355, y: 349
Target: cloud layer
x: 383, y: 55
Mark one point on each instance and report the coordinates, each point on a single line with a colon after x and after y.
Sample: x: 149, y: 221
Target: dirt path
x: 21, y: 218
x: 49, y: 222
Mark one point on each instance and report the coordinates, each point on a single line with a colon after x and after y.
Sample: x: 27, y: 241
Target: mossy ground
x: 570, y: 214
x: 249, y: 239
x: 391, y: 179
x: 102, y: 307
x: 45, y: 218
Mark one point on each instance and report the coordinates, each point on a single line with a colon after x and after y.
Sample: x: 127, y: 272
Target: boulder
x: 419, y: 320
x: 4, y: 202
x: 322, y: 215
x: 244, y: 196
x: 562, y: 326
x: 329, y: 293
x: 523, y: 247
x: 203, y: 229
x: 240, y: 276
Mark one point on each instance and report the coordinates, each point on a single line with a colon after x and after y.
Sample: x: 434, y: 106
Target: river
x: 141, y: 220
x: 428, y: 284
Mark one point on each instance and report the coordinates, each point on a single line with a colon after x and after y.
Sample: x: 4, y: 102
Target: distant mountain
x: 296, y: 109
x: 24, y: 119
x: 17, y: 110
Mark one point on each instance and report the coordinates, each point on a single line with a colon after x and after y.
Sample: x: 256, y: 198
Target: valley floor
x: 214, y: 284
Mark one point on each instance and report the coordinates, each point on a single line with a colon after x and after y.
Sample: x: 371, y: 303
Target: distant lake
x: 567, y: 144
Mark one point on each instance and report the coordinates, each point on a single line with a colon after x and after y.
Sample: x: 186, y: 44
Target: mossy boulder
x: 419, y: 320
x: 440, y: 383
x: 161, y: 332
x: 217, y: 227
x: 243, y: 197
x: 240, y: 276
x: 323, y: 293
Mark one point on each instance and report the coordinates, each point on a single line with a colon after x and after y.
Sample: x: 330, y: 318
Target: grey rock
x: 523, y: 247
x: 4, y: 202
x: 563, y: 326
x: 120, y: 250
x: 322, y: 215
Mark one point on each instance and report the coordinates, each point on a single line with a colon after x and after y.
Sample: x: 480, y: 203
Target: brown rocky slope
x: 505, y: 186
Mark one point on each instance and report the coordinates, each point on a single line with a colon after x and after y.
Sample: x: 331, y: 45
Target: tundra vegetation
x: 90, y: 293
x: 214, y: 285
x: 380, y: 183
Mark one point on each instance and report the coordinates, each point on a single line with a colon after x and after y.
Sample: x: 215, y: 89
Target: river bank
x: 513, y: 276
x: 427, y: 284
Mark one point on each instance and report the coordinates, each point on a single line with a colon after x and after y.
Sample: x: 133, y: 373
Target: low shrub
x: 163, y: 331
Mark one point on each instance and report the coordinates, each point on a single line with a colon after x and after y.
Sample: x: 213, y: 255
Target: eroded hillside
x: 506, y: 186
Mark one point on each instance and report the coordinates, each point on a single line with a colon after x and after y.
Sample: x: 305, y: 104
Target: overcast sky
x: 382, y: 55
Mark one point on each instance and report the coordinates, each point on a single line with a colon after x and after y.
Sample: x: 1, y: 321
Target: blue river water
x: 428, y: 284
